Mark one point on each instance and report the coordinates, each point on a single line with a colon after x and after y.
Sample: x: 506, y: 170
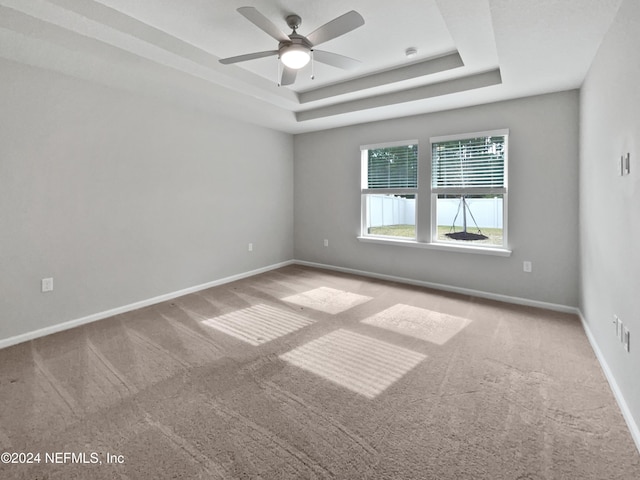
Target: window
x: 389, y: 189
x: 469, y: 189
x: 464, y: 207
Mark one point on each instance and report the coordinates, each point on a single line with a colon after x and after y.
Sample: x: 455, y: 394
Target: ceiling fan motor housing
x: 295, y: 39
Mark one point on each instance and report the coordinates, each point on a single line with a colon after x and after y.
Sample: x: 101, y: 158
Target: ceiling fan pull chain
x: 278, y: 71
x: 313, y: 75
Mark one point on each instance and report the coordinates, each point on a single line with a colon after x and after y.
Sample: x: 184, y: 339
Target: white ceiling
x: 469, y: 52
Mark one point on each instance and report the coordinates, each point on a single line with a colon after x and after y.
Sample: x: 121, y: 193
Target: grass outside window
x: 409, y: 231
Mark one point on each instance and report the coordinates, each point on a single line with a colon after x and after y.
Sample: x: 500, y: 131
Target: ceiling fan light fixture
x: 295, y: 56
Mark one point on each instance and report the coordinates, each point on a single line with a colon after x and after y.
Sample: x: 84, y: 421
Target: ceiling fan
x: 295, y: 50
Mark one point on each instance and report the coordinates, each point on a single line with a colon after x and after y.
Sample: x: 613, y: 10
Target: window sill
x: 495, y: 251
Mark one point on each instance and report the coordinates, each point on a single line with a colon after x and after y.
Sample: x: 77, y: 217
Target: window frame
x: 365, y: 190
x: 435, y: 191
x: 426, y: 235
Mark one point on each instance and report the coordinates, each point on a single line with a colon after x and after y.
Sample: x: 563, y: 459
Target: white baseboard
x: 7, y: 342
x: 624, y: 408
x: 446, y: 288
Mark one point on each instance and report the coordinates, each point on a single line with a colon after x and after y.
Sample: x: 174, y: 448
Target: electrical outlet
x: 251, y: 247
x: 625, y: 338
x: 527, y: 266
x: 326, y: 242
x: 47, y: 285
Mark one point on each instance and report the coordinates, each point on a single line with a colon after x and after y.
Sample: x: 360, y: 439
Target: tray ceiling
x: 469, y: 52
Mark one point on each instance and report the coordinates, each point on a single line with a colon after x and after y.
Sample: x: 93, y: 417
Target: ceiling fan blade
x: 263, y: 23
x: 248, y: 56
x: 288, y: 76
x: 335, y: 60
x: 336, y: 27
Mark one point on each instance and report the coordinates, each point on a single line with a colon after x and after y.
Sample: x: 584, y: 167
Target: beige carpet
x: 302, y: 373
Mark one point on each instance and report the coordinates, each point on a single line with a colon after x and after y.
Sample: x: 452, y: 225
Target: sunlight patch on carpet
x: 419, y: 323
x: 360, y: 363
x: 258, y: 324
x: 328, y: 300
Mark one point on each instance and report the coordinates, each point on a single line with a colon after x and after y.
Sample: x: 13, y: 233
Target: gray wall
x: 609, y: 203
x: 543, y: 199
x: 122, y: 199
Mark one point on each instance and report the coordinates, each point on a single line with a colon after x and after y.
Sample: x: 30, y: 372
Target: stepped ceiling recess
x: 469, y: 52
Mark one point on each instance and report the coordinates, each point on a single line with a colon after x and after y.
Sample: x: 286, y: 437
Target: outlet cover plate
x: 47, y: 285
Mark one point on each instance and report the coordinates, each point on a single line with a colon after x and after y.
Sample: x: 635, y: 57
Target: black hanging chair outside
x: 464, y: 234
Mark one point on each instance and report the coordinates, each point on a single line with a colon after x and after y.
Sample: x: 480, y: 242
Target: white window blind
x: 392, y: 167
x: 475, y: 163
